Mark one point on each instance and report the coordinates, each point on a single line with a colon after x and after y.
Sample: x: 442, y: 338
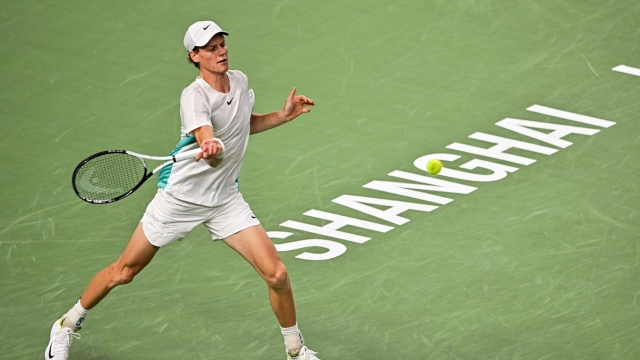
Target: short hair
x: 195, y: 49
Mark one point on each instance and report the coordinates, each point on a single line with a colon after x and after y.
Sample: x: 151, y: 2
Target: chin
x: 222, y: 66
x: 219, y: 69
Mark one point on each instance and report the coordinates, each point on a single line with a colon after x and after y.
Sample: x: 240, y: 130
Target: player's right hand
x: 211, y: 149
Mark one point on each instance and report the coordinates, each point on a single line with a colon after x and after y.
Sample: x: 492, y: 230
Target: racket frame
x: 168, y: 160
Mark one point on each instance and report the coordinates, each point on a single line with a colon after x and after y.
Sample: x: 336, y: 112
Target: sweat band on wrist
x: 219, y: 142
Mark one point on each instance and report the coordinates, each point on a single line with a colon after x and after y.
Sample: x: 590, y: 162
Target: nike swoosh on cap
x: 206, y: 27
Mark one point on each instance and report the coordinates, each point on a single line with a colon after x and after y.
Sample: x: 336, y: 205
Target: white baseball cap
x: 200, y: 33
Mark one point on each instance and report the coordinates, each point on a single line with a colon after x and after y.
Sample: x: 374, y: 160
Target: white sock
x: 293, y: 339
x: 75, y: 316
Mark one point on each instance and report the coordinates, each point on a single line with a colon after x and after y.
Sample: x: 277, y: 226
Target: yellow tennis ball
x: 434, y: 166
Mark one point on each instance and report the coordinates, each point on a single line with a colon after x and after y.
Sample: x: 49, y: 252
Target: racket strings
x: 109, y: 176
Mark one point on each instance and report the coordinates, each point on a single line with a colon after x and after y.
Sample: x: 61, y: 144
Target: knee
x: 122, y: 276
x: 279, y: 278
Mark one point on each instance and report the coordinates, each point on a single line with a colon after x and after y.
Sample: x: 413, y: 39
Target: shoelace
x: 63, y: 341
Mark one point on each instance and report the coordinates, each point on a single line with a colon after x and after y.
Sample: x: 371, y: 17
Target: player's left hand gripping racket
x: 112, y: 175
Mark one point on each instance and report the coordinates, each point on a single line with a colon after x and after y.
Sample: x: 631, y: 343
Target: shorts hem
x: 243, y: 227
x: 147, y: 236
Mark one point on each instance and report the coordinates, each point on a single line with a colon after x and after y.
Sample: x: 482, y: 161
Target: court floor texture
x: 525, y: 247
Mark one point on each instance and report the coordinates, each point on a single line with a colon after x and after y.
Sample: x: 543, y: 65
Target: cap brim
x: 204, y: 42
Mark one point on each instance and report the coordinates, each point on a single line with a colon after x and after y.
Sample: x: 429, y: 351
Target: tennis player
x: 216, y: 113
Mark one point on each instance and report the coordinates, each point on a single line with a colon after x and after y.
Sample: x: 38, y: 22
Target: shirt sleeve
x: 194, y: 112
x: 252, y: 96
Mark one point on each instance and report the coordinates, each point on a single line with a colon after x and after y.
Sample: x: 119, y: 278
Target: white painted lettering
x: 337, y: 222
x: 335, y: 248
x: 499, y: 171
x: 627, y: 70
x: 571, y: 116
x: 391, y: 214
x: 441, y: 185
x: 417, y: 190
x: 553, y: 138
x: 403, y: 189
x: 502, y: 144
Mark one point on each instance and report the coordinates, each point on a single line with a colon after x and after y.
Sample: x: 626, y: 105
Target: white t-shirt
x: 230, y: 116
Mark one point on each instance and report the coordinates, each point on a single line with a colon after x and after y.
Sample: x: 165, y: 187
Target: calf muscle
x: 135, y: 257
x: 256, y: 247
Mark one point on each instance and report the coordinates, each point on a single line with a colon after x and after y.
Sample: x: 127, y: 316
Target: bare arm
x: 210, y: 149
x: 294, y: 106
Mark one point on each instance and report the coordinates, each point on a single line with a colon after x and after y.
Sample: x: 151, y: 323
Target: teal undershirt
x: 163, y: 174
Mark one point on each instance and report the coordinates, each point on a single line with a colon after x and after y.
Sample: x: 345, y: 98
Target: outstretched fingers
x: 304, y: 100
x: 295, y: 105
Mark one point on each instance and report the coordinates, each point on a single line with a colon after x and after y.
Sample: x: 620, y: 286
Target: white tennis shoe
x: 304, y: 354
x: 59, y: 342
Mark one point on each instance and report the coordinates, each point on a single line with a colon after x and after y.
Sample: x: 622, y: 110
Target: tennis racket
x: 113, y: 175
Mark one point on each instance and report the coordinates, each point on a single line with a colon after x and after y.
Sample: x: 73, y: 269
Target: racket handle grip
x: 186, y: 155
x: 192, y: 153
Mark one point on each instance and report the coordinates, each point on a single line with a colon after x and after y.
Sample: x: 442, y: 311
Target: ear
x: 194, y: 56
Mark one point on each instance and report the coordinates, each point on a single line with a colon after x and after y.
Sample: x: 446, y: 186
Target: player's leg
x: 135, y: 257
x: 165, y: 220
x: 254, y: 245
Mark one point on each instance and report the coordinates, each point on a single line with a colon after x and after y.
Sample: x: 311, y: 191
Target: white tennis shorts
x: 168, y: 219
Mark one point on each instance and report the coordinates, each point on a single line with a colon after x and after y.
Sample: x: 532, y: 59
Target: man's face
x: 213, y: 56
